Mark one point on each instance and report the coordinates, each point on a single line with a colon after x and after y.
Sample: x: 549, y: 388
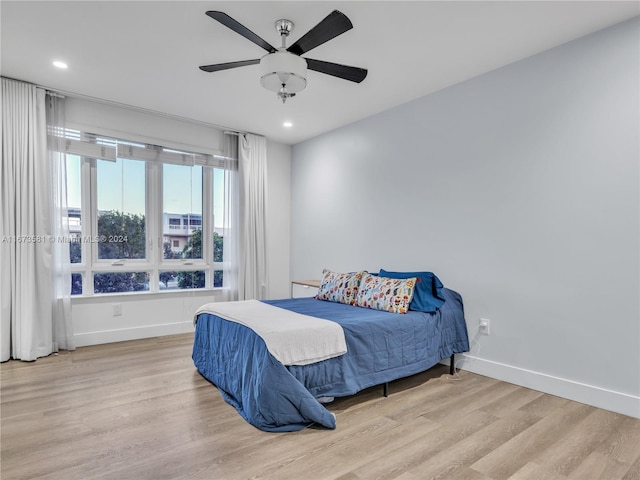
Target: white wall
x: 520, y: 189
x: 278, y: 218
x: 142, y: 316
x: 149, y: 315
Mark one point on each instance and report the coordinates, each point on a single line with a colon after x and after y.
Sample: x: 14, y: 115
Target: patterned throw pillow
x: 389, y: 294
x: 339, y: 287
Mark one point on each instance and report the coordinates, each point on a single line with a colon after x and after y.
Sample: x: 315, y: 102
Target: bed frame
x: 283, y: 400
x: 452, y: 371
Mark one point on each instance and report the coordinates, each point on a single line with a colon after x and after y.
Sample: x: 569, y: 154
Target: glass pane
x: 73, y: 219
x: 217, y: 247
x: 76, y: 284
x: 181, y: 280
x: 116, y: 282
x: 217, y: 278
x: 181, y: 211
x: 193, y: 246
x: 190, y: 279
x: 168, y: 280
x: 121, y: 209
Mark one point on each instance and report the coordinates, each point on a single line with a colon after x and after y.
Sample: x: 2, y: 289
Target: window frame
x: 153, y: 263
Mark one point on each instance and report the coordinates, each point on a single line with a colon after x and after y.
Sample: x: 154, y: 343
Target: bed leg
x: 452, y: 365
x: 385, y: 389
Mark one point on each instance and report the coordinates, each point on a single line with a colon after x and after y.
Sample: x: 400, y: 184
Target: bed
x: 380, y: 347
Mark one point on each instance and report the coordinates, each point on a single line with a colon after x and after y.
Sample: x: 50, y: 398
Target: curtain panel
x: 231, y: 219
x: 34, y: 317
x: 252, y: 167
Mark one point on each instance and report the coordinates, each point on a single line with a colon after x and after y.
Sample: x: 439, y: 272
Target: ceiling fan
x: 283, y: 70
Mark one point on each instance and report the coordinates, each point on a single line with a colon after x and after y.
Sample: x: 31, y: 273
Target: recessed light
x: 59, y: 64
x: 287, y: 124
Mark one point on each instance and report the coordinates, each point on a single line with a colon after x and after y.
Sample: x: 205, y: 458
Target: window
x: 74, y: 207
x: 182, y: 196
x: 122, y: 196
x: 121, y: 205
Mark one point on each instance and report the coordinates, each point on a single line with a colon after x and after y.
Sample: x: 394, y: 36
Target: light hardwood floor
x: 139, y: 410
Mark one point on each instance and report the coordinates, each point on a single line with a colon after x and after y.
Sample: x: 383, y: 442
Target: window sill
x: 146, y: 296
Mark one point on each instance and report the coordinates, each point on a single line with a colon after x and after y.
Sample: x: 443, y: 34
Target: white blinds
x: 107, y: 148
x: 87, y: 149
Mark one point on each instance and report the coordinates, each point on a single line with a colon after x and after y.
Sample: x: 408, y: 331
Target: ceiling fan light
x: 283, y: 68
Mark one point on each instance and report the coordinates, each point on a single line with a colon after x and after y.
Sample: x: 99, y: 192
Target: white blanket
x: 292, y: 338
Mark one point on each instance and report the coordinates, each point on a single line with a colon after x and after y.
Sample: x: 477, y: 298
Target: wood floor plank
x: 398, y: 460
x: 634, y: 471
x: 598, y: 467
x: 140, y: 410
x: 622, y: 443
x: 544, y: 405
x: 339, y: 457
x: 470, y: 474
x: 451, y: 462
x: 515, y: 400
x: 533, y: 442
x: 582, y: 438
x: 472, y: 401
x: 533, y: 471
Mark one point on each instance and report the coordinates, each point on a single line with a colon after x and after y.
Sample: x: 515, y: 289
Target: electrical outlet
x: 485, y: 325
x: 117, y: 309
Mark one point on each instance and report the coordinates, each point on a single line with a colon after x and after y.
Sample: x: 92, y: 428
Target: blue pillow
x: 427, y: 296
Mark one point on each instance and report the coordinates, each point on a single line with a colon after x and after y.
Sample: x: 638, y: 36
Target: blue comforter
x: 381, y: 347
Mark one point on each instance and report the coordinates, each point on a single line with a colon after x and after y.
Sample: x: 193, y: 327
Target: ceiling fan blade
x: 353, y: 74
x: 334, y: 24
x: 240, y: 29
x: 225, y: 66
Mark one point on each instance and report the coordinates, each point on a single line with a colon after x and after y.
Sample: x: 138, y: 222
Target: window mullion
x: 207, y: 224
x: 153, y: 200
x: 84, y: 267
x: 90, y: 248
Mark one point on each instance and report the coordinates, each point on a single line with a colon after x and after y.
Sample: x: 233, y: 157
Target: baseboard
x: 588, y: 394
x: 133, y: 333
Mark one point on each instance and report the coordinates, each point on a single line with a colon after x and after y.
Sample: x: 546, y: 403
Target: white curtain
x: 60, y: 261
x: 34, y: 315
x: 230, y: 222
x: 252, y: 265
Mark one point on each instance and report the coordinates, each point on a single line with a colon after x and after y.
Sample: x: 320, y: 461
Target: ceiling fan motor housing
x: 282, y: 68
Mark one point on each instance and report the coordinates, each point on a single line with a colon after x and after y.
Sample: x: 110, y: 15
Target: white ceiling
x: 147, y: 53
